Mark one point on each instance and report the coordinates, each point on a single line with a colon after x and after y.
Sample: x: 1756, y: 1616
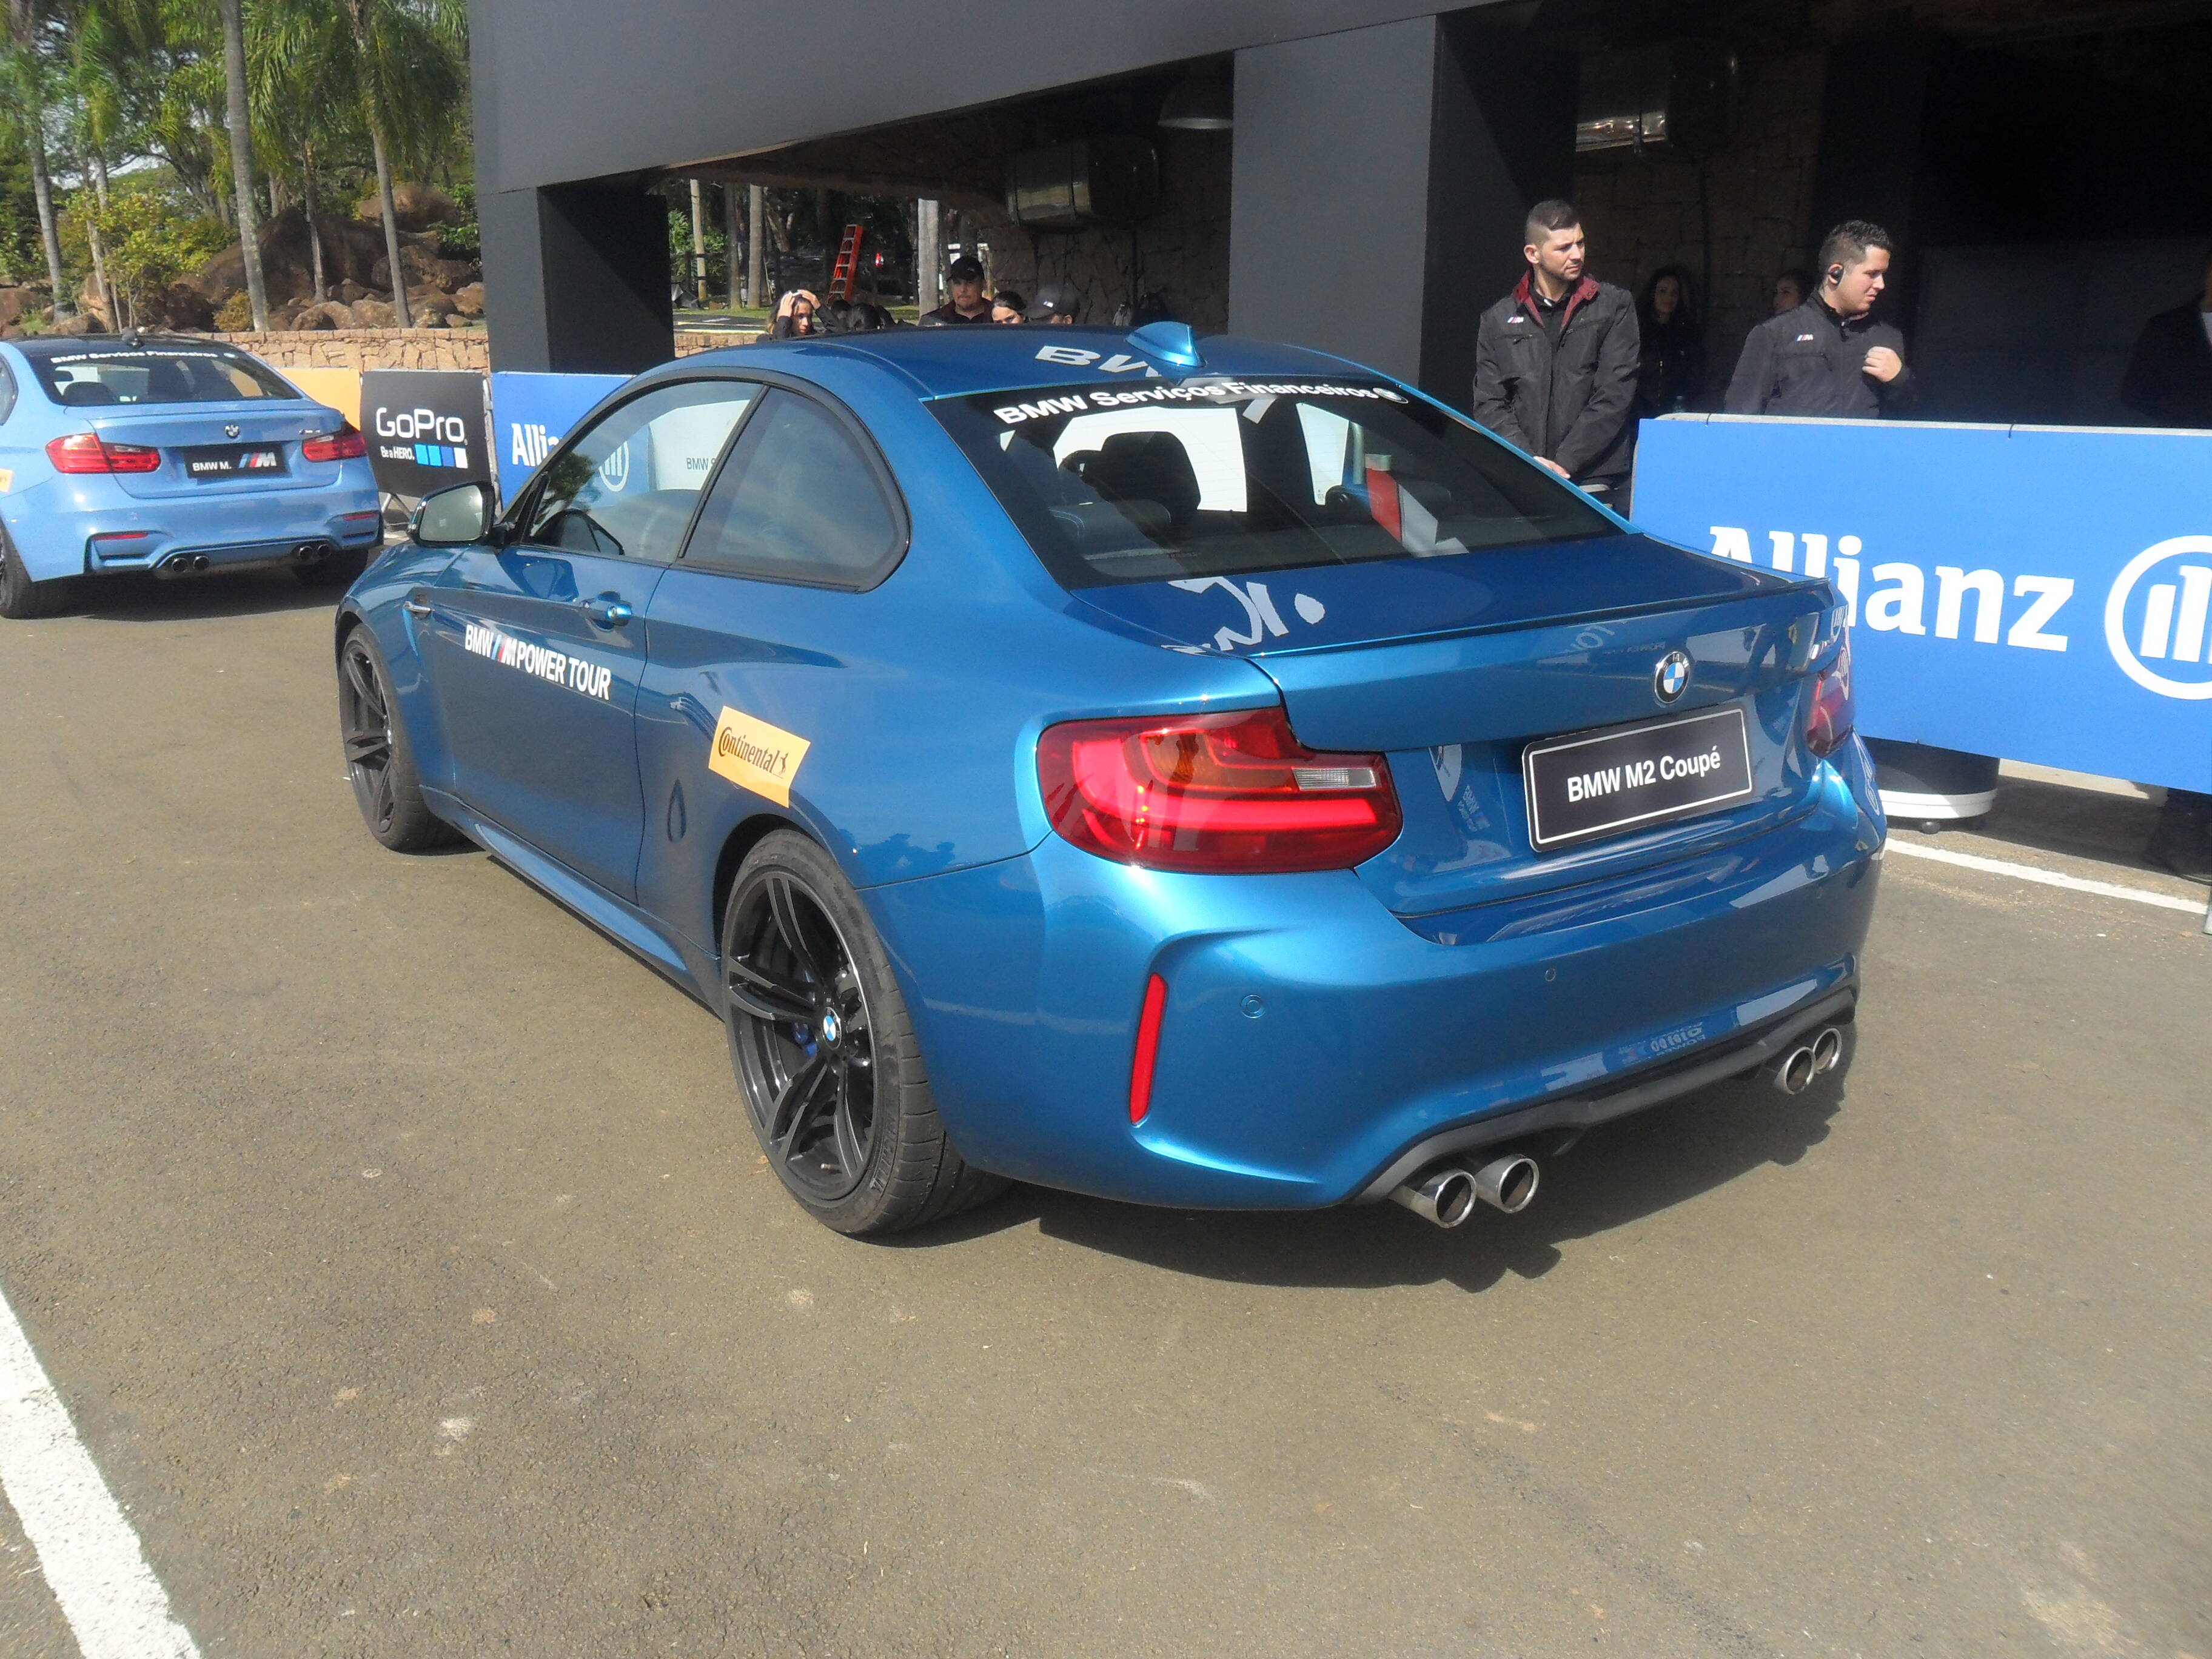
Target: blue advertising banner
x: 2037, y: 593
x: 532, y: 413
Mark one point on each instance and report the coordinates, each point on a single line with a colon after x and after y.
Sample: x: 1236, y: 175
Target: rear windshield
x: 94, y: 377
x: 1166, y: 479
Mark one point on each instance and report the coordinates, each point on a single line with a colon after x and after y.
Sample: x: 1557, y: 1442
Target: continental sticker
x: 756, y: 756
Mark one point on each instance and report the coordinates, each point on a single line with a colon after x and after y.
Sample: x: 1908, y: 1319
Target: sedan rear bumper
x: 1313, y: 1043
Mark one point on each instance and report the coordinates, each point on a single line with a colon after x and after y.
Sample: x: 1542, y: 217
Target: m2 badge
x: 756, y: 756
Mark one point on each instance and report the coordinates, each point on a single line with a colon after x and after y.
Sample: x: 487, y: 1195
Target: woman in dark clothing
x: 1672, y: 375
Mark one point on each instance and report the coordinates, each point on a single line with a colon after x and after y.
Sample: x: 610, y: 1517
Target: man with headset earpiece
x: 1829, y: 356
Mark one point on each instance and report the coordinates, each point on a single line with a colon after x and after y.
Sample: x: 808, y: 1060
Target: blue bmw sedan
x: 1204, y: 774
x: 170, y: 455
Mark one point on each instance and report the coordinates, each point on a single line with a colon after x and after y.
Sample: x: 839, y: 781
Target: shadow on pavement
x: 1618, y: 1174
x: 144, y: 598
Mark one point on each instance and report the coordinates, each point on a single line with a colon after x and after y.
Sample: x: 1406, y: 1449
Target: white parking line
x: 115, y: 1606
x: 2047, y: 877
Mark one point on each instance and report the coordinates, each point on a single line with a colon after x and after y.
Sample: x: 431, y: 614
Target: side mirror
x: 455, y: 517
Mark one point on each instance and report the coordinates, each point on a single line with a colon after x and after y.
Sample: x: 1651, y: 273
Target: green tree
x: 31, y: 44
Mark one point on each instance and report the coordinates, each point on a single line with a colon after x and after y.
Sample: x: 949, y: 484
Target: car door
x: 770, y: 639
x: 534, y: 645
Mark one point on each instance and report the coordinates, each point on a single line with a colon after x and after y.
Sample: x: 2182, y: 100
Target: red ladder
x: 848, y: 263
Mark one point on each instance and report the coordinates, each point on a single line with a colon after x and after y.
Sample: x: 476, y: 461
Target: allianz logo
x: 529, y: 443
x: 2158, y: 610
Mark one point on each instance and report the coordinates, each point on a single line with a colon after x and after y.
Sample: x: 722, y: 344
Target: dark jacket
x: 1811, y: 361
x: 948, y: 315
x: 2169, y: 378
x: 1569, y: 401
x: 1673, y: 374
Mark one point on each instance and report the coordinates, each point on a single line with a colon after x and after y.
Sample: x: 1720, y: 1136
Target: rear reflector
x: 1233, y: 793
x: 1148, y: 1048
x: 86, y: 452
x: 346, y: 444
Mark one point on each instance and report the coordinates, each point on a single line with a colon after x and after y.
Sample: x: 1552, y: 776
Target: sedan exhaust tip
x: 1443, y: 1195
x: 1507, y: 1183
x: 1793, y: 1074
x: 1828, y: 1051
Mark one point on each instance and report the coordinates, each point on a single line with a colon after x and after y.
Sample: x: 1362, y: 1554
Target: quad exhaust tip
x: 1446, y: 1194
x: 1793, y: 1074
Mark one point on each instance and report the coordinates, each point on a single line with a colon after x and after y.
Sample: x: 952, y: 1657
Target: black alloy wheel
x: 826, y: 1054
x: 21, y: 599
x: 378, y: 760
x: 805, y: 1044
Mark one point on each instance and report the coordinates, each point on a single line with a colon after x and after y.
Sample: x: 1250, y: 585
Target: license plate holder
x: 1606, y: 783
x: 216, y: 463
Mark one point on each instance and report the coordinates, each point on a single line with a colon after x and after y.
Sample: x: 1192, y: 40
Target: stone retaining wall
x: 367, y: 348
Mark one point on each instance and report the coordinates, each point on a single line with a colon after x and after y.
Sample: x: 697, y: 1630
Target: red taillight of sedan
x: 87, y: 452
x: 1829, y: 718
x: 1234, y: 793
x: 346, y: 444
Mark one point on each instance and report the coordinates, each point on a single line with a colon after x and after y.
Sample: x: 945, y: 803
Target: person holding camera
x: 1829, y: 356
x: 1556, y: 361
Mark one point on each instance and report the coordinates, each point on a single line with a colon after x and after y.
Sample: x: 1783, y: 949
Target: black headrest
x: 1146, y: 466
x: 77, y: 393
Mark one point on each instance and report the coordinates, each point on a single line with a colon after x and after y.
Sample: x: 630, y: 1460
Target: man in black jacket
x: 1555, y: 361
x: 1829, y: 356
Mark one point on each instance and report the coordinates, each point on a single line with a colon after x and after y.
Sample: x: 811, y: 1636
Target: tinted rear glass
x: 94, y: 377
x: 1163, y: 480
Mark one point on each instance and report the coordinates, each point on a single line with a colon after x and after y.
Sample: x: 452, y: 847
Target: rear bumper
x: 104, y: 532
x: 1313, y: 1042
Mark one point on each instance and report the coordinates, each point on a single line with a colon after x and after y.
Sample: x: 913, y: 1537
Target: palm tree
x: 29, y: 30
x: 409, y: 58
x: 241, y: 157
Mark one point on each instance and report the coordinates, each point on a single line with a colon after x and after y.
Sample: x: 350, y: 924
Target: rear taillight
x: 1829, y: 717
x: 346, y: 444
x: 1231, y: 793
x: 87, y: 452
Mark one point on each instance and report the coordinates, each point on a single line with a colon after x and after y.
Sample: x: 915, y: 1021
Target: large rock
x: 469, y: 300
x: 178, y: 305
x: 374, y: 313
x: 332, y: 315
x: 350, y: 252
x: 417, y: 207
x: 15, y: 301
x: 79, y: 324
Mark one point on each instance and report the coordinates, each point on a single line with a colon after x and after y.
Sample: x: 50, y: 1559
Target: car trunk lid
x: 210, y: 432
x: 1454, y: 667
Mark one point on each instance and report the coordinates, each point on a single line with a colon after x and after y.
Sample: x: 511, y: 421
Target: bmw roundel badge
x: 1671, y: 677
x: 232, y: 430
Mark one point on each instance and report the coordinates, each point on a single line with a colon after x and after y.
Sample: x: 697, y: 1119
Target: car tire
x: 842, y: 1110
x: 22, y: 600
x: 338, y: 570
x: 380, y: 760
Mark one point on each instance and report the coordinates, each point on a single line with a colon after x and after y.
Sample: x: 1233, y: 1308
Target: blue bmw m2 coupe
x: 124, y: 453
x: 1194, y: 773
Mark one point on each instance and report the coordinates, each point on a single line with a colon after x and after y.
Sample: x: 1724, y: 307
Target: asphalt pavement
x: 400, y: 1251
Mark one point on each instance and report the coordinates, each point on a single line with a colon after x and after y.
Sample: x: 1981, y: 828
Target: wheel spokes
x: 852, y: 1152
x: 765, y: 997
x: 363, y: 678
x: 789, y: 907
x: 800, y: 1103
x: 364, y: 748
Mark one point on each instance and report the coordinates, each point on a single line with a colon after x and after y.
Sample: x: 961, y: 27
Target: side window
x: 627, y: 486
x: 796, y: 501
x: 7, y: 392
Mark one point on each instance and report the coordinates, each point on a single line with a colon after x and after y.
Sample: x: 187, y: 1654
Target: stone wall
x: 1183, y: 253
x: 1642, y: 211
x: 368, y: 348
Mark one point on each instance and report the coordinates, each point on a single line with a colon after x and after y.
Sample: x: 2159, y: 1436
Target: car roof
x: 950, y: 361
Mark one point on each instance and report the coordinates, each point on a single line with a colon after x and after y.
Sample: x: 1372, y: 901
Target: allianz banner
x: 425, y: 429
x: 2037, y: 593
x: 532, y: 413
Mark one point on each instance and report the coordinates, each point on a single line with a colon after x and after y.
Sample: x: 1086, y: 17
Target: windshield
x: 95, y: 377
x: 1163, y: 480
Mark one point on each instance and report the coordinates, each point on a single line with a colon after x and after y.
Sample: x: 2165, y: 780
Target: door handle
x: 415, y: 608
x: 606, y: 611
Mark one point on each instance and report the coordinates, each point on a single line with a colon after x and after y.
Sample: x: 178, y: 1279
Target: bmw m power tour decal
x: 756, y: 756
x: 542, y: 662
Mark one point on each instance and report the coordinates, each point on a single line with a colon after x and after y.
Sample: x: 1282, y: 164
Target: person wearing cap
x: 968, y: 303
x: 1055, y: 303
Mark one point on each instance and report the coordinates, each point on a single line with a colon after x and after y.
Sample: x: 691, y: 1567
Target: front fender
x: 376, y: 601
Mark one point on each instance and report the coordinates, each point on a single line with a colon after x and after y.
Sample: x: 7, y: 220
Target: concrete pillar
x: 756, y: 244
x: 576, y: 279
x: 928, y: 256
x: 697, y: 276
x: 1378, y: 185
